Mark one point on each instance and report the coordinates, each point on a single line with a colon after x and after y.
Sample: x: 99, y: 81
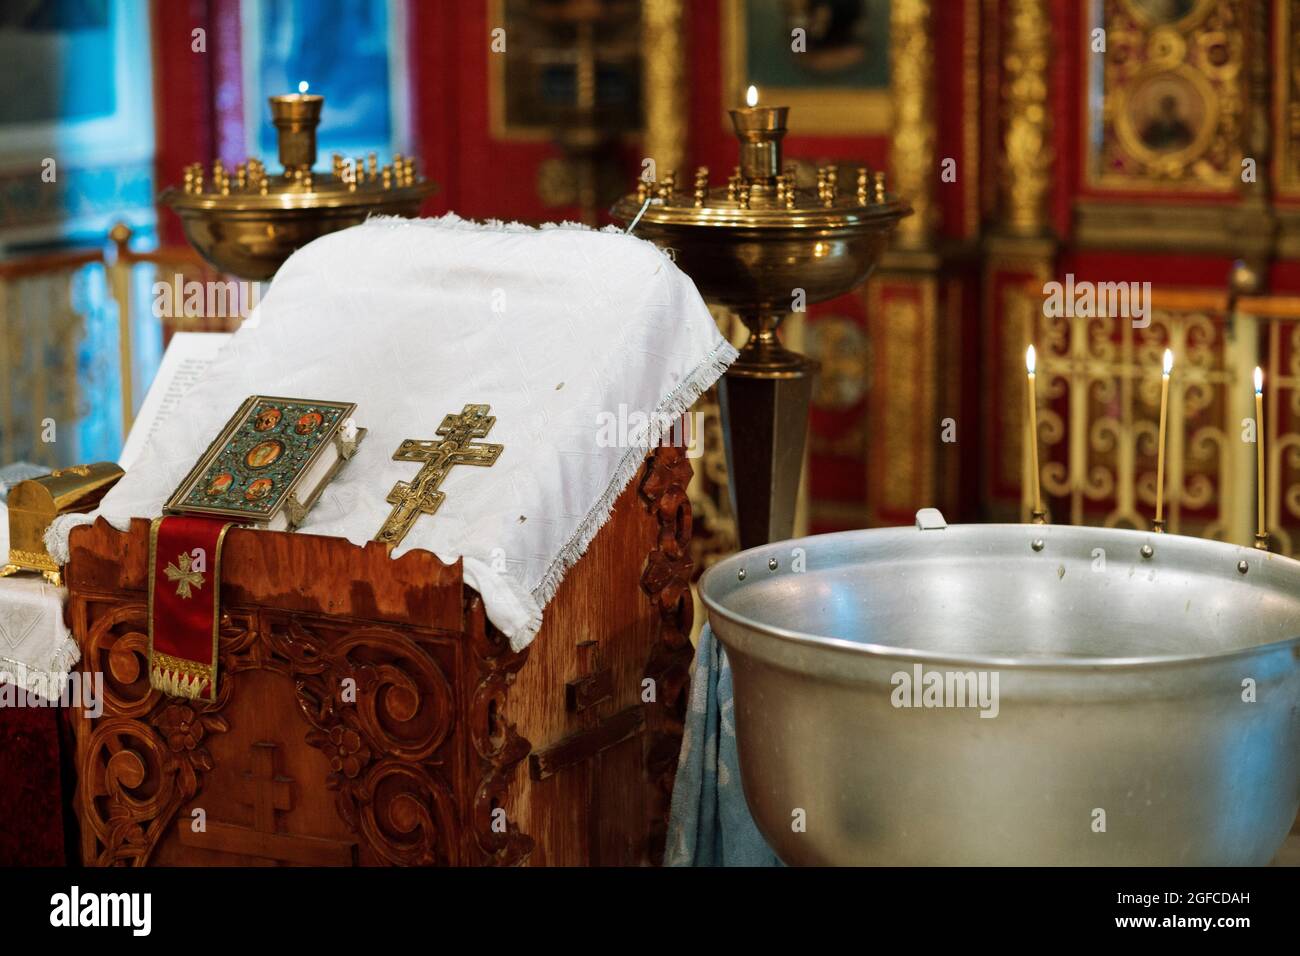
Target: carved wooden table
x: 369, y: 714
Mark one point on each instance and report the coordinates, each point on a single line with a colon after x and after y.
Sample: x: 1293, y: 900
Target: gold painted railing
x: 41, y: 331
x: 1099, y: 405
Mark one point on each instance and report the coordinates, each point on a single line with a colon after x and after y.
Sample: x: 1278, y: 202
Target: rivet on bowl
x: 740, y: 575
x: 771, y: 564
x: 1037, y: 544
x: 1147, y: 551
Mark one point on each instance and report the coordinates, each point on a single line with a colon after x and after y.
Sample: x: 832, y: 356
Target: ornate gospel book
x: 270, y: 462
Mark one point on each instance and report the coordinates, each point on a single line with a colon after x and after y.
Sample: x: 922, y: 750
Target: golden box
x: 35, y: 503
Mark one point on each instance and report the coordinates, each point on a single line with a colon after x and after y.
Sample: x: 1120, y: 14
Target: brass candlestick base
x: 246, y: 221
x: 764, y: 400
x: 761, y: 246
x: 1038, y: 517
x: 1261, y: 540
x: 1158, y: 525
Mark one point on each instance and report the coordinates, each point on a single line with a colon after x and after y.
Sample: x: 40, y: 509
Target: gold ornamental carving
x: 1287, y: 91
x: 1026, y: 150
x: 1100, y: 394
x: 911, y: 56
x: 903, y: 315
x: 664, y: 76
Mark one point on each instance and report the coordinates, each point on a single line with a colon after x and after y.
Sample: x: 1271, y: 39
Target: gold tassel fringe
x: 180, y: 678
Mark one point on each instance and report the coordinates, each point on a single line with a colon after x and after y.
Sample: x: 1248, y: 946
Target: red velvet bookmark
x: 185, y: 604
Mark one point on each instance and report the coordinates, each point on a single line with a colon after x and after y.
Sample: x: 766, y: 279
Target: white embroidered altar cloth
x: 36, y: 650
x: 556, y: 328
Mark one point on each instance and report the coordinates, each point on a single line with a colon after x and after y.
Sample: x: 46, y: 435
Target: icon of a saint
x: 263, y: 454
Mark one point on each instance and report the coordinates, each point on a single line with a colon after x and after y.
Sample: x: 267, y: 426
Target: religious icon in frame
x: 1167, y: 117
x: 1163, y: 104
x: 1163, y: 13
x: 838, y: 82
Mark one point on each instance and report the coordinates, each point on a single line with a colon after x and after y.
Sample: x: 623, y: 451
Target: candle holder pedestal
x: 762, y: 246
x: 246, y: 221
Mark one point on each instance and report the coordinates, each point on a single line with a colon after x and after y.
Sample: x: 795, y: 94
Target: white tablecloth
x: 36, y: 650
x: 576, y: 338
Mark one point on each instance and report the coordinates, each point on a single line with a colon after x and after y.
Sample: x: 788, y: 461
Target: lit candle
x: 1159, y: 524
x: 760, y: 130
x: 1261, y: 536
x: 1031, y: 366
x: 296, y: 116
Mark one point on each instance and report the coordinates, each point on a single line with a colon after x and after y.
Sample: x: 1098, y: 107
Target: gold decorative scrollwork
x: 1025, y: 173
x: 663, y: 64
x: 912, y: 144
x: 1099, y: 402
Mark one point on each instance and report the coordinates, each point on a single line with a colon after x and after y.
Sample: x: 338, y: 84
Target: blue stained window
x: 50, y: 51
x: 341, y: 49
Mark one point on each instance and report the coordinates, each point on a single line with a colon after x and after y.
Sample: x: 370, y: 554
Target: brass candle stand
x: 760, y: 246
x: 246, y: 221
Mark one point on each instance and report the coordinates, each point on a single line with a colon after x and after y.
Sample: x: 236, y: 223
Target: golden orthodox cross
x: 420, y: 495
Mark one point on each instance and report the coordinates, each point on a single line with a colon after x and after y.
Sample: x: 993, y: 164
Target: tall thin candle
x: 1031, y: 366
x: 1261, y: 536
x: 1159, y: 524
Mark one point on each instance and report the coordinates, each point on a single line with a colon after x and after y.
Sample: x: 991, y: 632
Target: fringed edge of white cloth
x: 526, y: 620
x: 57, y: 534
x: 46, y: 682
x: 522, y: 626
x: 452, y: 221
x: 678, y: 403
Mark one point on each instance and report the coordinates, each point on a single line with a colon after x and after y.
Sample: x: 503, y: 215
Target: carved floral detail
x: 148, y: 756
x: 499, y: 746
x: 347, y: 752
x: 667, y: 580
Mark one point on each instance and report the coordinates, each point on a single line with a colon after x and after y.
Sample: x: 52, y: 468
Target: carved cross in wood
x: 268, y: 794
x: 420, y: 495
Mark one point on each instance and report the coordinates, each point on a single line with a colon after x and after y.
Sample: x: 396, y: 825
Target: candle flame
x: 1031, y: 360
x: 303, y: 87
x: 751, y: 96
x: 1259, y: 380
x: 1169, y: 361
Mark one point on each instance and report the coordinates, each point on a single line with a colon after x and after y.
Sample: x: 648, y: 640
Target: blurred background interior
x: 1164, y: 149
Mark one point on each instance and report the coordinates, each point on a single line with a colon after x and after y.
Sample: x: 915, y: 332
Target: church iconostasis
x: 1030, y: 151
x: 1027, y: 150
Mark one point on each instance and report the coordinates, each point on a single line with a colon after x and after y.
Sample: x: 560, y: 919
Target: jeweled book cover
x: 261, y: 457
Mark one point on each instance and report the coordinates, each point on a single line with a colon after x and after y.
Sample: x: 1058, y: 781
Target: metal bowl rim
x: 892, y: 652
